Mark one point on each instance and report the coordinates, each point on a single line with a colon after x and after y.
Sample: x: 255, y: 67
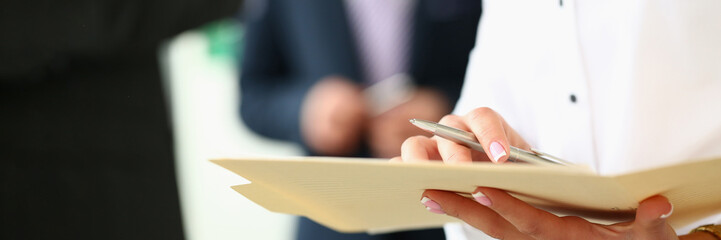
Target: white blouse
x: 617, y: 85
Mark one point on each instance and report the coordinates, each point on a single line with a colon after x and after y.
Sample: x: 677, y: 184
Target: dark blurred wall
x: 85, y: 139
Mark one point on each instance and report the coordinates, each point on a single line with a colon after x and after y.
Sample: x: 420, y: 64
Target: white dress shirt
x: 617, y: 85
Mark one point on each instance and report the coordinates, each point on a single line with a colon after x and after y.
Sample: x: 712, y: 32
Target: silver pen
x: 469, y: 140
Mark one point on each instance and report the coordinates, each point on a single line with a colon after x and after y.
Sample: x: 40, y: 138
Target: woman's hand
x: 489, y: 127
x: 503, y: 216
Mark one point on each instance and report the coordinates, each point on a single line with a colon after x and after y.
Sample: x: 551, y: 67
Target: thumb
x: 652, y: 214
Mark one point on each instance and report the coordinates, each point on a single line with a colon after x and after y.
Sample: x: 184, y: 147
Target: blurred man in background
x: 342, y: 78
x: 85, y: 142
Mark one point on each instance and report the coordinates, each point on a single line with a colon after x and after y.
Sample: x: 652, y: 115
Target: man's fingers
x: 473, y: 213
x: 488, y: 127
x: 526, y: 218
x: 418, y: 149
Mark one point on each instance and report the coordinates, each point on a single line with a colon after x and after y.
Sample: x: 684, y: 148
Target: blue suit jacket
x: 290, y: 45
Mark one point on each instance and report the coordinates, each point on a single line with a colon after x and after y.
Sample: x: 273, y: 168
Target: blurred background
x: 201, y: 75
x: 110, y: 110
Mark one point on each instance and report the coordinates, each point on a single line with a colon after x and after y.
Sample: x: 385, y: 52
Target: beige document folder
x: 357, y: 195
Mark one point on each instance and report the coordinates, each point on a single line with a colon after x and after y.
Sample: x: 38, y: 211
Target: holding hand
x: 387, y: 131
x: 502, y: 216
x: 490, y: 128
x: 333, y: 116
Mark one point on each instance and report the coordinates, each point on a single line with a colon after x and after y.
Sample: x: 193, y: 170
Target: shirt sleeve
x: 271, y: 94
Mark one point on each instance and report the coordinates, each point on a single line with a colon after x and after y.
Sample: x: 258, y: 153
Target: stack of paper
x: 357, y: 195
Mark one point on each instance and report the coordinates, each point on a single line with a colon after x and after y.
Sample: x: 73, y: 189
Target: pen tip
x: 412, y: 120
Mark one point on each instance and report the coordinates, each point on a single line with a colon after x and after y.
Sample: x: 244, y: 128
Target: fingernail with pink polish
x: 482, y: 199
x: 436, y: 211
x: 497, y: 151
x: 664, y: 216
x: 432, y: 206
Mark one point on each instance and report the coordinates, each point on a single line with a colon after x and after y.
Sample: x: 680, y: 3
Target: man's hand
x: 387, y: 131
x: 333, y: 116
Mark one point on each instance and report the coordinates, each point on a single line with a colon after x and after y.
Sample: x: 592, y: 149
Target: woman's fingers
x: 452, y: 152
x: 515, y: 139
x: 526, y: 218
x: 472, y: 213
x: 419, y: 149
x: 503, y: 216
x: 651, y: 217
x: 488, y: 127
